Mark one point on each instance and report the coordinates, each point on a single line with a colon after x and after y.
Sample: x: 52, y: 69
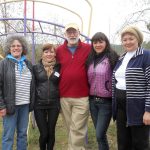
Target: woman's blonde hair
x: 135, y: 31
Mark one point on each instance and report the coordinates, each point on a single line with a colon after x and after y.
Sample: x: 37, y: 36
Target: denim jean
x: 18, y: 122
x: 101, y: 112
x: 46, y: 121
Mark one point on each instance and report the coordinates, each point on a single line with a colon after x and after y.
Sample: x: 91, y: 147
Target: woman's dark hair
x: 108, y: 51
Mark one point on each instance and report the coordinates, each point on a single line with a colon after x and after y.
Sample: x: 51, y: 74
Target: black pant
x: 129, y: 137
x: 46, y: 121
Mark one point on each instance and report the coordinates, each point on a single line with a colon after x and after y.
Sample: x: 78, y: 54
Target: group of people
x: 77, y: 78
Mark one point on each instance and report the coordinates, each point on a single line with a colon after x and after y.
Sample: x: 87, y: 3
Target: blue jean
x: 18, y: 122
x: 101, y: 112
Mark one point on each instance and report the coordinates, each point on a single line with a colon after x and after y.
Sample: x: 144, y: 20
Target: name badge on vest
x: 56, y: 74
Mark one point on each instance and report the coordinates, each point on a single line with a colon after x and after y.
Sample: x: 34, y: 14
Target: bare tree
x: 3, y: 11
x: 139, y: 16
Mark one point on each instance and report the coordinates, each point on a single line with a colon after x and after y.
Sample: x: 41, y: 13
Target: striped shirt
x: 23, y: 82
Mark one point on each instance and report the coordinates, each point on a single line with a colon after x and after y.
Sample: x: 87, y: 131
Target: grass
x: 61, y: 136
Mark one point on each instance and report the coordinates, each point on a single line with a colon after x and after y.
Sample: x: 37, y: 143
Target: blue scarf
x: 19, y: 62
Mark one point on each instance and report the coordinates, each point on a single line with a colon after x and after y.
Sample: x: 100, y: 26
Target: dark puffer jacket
x: 47, y: 92
x: 8, y: 85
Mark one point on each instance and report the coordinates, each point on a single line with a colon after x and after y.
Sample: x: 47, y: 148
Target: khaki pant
x: 75, y: 112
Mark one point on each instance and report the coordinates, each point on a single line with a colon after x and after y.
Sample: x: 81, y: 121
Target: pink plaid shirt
x: 100, y: 79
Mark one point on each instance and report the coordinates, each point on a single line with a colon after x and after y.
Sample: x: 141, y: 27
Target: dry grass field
x: 61, y: 136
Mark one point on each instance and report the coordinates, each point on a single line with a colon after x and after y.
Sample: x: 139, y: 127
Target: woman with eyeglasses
x: 16, y: 92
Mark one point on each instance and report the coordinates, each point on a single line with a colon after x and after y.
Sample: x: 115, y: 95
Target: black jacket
x: 8, y: 85
x: 47, y: 90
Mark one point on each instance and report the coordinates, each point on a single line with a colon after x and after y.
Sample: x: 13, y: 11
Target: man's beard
x: 73, y: 40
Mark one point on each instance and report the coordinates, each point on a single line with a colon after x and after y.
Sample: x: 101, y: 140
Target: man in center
x: 73, y: 86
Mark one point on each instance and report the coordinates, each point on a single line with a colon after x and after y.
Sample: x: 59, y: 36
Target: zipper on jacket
x: 48, y: 90
x: 126, y: 92
x: 95, y: 82
x: 72, y: 55
x: 126, y: 97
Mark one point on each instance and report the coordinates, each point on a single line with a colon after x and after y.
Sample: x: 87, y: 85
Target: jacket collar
x: 29, y: 65
x: 139, y: 51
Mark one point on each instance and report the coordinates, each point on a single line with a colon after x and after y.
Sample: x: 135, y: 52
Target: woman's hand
x: 146, y: 118
x: 2, y: 112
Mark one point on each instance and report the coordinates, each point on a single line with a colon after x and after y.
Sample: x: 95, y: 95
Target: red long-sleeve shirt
x: 73, y: 74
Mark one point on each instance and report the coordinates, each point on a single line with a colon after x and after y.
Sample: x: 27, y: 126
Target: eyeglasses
x: 71, y: 32
x: 18, y: 46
